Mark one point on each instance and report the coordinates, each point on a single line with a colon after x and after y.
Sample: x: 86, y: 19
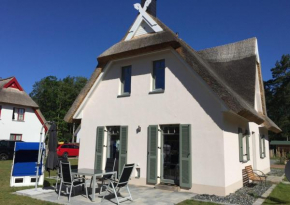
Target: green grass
x: 280, y: 195
x: 6, y: 192
x: 192, y: 202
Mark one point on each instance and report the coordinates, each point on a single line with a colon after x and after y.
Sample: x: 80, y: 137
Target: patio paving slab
x: 141, y: 195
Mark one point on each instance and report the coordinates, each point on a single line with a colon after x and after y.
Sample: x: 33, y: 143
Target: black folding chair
x: 114, y: 186
x: 68, y: 181
x: 110, y: 166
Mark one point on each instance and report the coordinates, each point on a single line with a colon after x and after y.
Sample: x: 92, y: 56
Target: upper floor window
x: 16, y: 137
x: 21, y: 112
x: 18, y: 114
x: 158, y: 75
x: 126, y: 80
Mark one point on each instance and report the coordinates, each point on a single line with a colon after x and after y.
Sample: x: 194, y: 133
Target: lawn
x: 280, y: 195
x: 6, y: 192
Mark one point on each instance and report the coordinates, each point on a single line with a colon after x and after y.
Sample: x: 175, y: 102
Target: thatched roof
x: 229, y: 70
x: 14, y: 96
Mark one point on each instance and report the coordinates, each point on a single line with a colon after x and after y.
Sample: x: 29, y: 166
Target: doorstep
x: 168, y: 187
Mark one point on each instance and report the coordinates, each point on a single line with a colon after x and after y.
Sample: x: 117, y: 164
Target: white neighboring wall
x: 29, y: 128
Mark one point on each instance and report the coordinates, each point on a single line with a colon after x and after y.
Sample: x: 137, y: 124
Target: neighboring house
x: 20, y: 117
x: 190, y: 118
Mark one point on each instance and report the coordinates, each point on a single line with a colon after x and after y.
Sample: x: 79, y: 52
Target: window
x: 244, y: 146
x: 19, y: 112
x: 16, y: 137
x: 0, y: 110
x: 262, y: 146
x: 158, y: 75
x: 126, y: 80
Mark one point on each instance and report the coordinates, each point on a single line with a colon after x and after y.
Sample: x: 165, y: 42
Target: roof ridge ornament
x: 143, y: 16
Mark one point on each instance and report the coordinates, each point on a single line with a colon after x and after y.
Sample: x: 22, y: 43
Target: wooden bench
x: 254, y: 176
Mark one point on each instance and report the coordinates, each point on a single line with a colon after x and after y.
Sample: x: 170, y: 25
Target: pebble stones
x: 276, y: 172
x: 244, y: 196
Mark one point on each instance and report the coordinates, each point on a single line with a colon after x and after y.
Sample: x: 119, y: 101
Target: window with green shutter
x: 99, y: 148
x: 244, y: 145
x: 185, y: 156
x: 262, y: 146
x: 152, y: 154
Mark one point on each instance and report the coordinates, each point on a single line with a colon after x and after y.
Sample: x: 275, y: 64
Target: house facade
x: 190, y: 118
x: 20, y: 117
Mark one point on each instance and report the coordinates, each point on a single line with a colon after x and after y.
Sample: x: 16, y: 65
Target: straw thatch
x: 229, y: 70
x: 14, y: 96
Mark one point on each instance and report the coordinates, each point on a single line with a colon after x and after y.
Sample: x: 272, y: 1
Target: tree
x: 55, y: 97
x: 277, y: 91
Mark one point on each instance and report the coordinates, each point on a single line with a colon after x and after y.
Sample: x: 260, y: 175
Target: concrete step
x: 168, y: 187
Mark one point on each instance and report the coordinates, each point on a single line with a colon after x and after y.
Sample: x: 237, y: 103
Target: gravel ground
x: 276, y: 172
x: 244, y: 196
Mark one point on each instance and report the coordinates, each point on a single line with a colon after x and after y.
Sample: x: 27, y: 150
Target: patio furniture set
x: 110, y: 182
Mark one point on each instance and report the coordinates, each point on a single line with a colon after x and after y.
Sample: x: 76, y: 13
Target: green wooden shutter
x: 99, y: 148
x: 241, y: 153
x: 123, y: 147
x: 152, y: 154
x: 260, y: 144
x: 264, y: 146
x: 185, y: 157
x: 248, y: 146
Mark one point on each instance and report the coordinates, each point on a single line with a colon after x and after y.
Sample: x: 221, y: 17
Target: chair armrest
x: 78, y: 178
x: 264, y: 175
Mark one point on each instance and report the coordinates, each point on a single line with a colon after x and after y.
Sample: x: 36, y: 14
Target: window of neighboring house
x: 126, y: 80
x: 16, y: 137
x: 18, y: 114
x: 262, y: 146
x: 244, y: 146
x: 158, y: 75
x: 21, y: 112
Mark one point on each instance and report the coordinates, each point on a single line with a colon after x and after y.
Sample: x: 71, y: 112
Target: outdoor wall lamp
x: 138, y: 129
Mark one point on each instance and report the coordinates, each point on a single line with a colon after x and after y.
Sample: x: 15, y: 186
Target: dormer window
x: 158, y: 76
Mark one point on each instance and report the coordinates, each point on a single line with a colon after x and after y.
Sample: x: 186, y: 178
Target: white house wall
x: 185, y: 101
x: 233, y: 166
x: 29, y: 128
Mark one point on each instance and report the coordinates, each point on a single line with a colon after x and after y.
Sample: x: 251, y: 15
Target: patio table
x: 93, y: 173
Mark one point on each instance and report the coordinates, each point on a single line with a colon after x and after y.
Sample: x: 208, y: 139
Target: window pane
x: 126, y: 79
x: 159, y: 74
x: 20, y: 114
x: 12, y: 137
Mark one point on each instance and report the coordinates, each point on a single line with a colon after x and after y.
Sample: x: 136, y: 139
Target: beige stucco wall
x: 186, y: 101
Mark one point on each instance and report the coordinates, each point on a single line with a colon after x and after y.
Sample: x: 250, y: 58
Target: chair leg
x: 59, y: 190
x: 70, y: 192
x: 107, y: 190
x: 86, y: 189
x: 116, y: 195
x: 101, y: 186
x: 129, y: 193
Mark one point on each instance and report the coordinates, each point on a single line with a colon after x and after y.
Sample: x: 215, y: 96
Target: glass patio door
x: 170, y: 154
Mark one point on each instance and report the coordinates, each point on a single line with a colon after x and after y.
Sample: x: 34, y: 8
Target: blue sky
x: 64, y: 37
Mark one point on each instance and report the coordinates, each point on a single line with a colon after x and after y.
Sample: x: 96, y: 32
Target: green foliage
x: 54, y: 97
x: 277, y: 91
